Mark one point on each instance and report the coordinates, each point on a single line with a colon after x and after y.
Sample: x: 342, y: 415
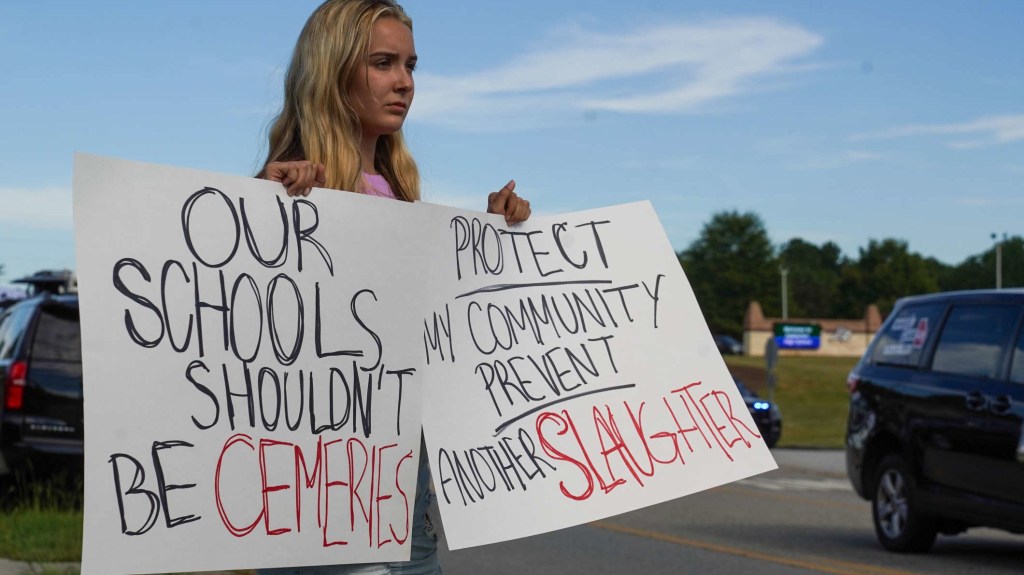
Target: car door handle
x: 1000, y: 404
x: 975, y: 401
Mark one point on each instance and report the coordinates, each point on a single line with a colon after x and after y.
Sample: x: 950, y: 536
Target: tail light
x: 14, y: 385
x: 852, y: 380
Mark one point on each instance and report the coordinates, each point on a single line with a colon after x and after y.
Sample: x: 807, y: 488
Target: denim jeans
x: 423, y: 560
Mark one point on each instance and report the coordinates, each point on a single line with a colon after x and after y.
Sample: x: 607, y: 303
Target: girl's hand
x: 298, y: 177
x: 505, y: 202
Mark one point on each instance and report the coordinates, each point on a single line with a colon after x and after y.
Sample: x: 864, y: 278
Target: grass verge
x: 810, y: 391
x: 42, y: 535
x: 41, y: 520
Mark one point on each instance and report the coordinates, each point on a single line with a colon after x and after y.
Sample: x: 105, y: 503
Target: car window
x: 58, y: 336
x: 973, y: 339
x: 1017, y: 367
x: 902, y: 341
x: 12, y: 325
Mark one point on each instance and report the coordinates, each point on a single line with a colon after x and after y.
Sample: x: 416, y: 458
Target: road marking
x: 785, y: 484
x: 778, y: 496
x: 820, y: 565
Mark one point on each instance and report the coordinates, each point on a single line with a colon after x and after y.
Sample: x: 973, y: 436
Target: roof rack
x: 50, y: 281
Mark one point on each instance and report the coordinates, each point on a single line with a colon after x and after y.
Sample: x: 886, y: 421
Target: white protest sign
x: 254, y: 366
x: 251, y: 391
x: 571, y: 376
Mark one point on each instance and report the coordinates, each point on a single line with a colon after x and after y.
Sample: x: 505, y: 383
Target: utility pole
x: 999, y: 259
x: 784, y: 271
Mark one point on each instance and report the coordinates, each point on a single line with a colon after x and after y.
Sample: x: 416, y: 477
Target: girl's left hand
x: 505, y: 202
x: 299, y: 177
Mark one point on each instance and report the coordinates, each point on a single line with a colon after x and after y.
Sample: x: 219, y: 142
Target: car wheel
x: 770, y: 439
x: 899, y: 524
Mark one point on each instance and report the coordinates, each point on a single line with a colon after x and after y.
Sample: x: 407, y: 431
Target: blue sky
x: 841, y: 121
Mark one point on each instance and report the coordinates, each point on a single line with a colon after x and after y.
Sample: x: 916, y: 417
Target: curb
x: 9, y: 567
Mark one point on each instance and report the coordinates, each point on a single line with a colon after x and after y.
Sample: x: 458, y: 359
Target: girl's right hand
x: 506, y: 203
x: 299, y: 177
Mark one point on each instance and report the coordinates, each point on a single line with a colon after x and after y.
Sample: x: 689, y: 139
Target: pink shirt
x: 378, y: 186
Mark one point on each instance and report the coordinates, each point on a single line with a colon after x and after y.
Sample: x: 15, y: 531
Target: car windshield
x: 744, y: 390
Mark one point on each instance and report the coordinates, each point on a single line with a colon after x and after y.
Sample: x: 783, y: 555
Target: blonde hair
x: 318, y: 121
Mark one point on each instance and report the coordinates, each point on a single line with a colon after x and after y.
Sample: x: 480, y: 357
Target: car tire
x: 899, y: 524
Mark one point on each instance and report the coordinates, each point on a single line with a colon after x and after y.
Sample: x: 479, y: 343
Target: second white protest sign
x: 571, y: 375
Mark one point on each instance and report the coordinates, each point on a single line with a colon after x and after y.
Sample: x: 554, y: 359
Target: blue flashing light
x: 761, y: 405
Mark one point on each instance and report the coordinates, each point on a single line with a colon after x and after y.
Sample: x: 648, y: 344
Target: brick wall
x: 839, y: 337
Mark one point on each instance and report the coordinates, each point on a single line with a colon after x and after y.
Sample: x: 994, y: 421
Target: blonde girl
x: 346, y: 95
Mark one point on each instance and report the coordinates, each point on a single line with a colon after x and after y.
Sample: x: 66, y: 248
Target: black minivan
x: 934, y: 437
x: 41, y: 386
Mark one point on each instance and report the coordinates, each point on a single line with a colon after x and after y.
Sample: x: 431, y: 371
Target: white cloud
x: 665, y: 69
x: 984, y: 131
x: 47, y: 208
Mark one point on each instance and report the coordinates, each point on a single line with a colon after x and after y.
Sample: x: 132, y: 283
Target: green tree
x: 979, y: 271
x: 1013, y: 262
x: 813, y: 277
x: 731, y: 263
x: 885, y: 272
x: 975, y: 272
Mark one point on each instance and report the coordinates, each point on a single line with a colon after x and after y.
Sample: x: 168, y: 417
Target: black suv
x: 41, y: 386
x: 934, y: 438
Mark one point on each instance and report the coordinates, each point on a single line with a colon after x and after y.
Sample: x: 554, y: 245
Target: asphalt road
x: 801, y: 518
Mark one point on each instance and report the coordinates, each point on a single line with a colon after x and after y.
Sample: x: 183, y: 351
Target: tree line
x: 733, y: 262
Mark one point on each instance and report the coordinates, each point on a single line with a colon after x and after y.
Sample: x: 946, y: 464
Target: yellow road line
x: 818, y: 564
